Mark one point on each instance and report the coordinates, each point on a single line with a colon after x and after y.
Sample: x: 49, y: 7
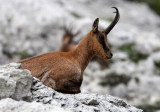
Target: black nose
x: 111, y: 54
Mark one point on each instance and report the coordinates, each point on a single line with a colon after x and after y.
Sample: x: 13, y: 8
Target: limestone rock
x: 18, y: 84
x: 10, y: 105
x: 84, y: 102
x: 14, y: 82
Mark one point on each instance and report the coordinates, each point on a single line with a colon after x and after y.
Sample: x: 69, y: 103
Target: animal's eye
x: 101, y: 36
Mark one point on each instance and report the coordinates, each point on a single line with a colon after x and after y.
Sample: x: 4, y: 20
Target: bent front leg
x: 69, y: 87
x: 69, y: 91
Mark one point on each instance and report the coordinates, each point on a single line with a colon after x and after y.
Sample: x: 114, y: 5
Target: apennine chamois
x: 67, y: 42
x: 63, y: 71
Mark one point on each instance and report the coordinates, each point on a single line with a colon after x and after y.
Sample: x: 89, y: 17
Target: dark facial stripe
x: 102, y: 42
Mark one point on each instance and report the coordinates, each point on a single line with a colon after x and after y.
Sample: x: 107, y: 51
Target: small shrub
x: 24, y: 54
x: 136, y: 79
x: 114, y: 79
x: 150, y: 107
x: 75, y: 14
x: 157, y: 64
x: 133, y: 54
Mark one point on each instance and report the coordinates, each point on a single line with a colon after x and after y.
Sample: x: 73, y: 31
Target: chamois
x: 63, y: 71
x: 67, y: 43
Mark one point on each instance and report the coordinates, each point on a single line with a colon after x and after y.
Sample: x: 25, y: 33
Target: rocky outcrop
x: 17, y: 85
x: 10, y: 105
x: 34, y: 27
x: 14, y: 82
x: 84, y: 102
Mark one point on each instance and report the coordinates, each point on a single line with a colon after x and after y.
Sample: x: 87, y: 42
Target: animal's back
x: 56, y: 70
x: 41, y: 64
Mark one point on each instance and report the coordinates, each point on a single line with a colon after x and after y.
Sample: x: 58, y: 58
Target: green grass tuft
x: 24, y: 54
x: 136, y: 79
x: 75, y: 14
x: 114, y: 79
x: 157, y: 64
x: 133, y: 54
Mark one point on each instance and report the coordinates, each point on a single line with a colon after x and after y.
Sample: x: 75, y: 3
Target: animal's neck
x: 83, y: 53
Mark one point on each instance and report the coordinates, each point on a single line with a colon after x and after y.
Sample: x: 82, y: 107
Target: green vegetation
x: 157, y: 64
x: 153, y: 4
x: 136, y: 79
x: 75, y: 14
x: 24, y: 54
x: 110, y: 19
x: 133, y: 54
x: 114, y: 79
x: 150, y: 107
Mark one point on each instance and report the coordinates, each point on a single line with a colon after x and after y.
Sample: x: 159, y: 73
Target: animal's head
x: 67, y: 42
x: 69, y: 33
x: 100, y: 45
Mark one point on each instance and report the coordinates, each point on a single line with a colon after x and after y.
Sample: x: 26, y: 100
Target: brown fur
x: 63, y: 71
x: 67, y: 43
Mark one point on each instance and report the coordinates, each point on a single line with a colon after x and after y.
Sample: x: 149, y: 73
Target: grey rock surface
x: 14, y: 82
x: 85, y: 102
x: 10, y: 105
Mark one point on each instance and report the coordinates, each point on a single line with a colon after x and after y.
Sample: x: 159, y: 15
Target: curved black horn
x: 109, y: 28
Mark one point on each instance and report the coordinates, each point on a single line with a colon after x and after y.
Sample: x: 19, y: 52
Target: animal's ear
x: 95, y: 25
